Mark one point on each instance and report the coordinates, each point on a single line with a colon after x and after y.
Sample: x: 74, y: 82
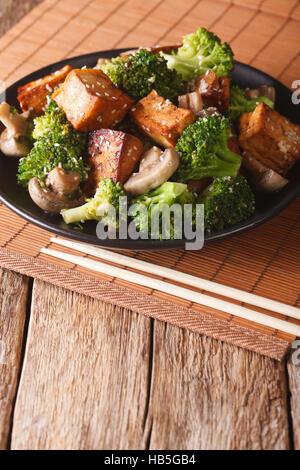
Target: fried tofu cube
x: 161, y: 120
x: 214, y: 91
x: 112, y: 154
x: 91, y: 101
x: 33, y: 95
x: 271, y: 138
x: 233, y: 144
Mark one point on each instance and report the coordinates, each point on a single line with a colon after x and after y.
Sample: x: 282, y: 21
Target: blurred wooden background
x: 11, y: 11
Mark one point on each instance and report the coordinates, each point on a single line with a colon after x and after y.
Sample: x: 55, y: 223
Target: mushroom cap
x: 16, y: 124
x: 156, y: 168
x: 150, y: 158
x: 13, y: 140
x: 14, y: 147
x: 63, y: 182
x: 50, y: 201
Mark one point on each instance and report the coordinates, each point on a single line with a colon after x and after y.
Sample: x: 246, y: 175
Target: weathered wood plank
x: 13, y: 10
x: 294, y: 384
x: 13, y: 296
x: 85, y: 375
x: 209, y: 395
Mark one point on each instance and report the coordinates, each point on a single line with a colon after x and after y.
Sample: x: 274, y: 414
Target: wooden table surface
x: 79, y: 374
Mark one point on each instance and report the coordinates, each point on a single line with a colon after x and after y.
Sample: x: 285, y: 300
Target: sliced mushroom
x: 49, y: 200
x: 62, y: 182
x: 13, y: 147
x: 156, y: 168
x: 13, y: 141
x: 151, y: 157
x: 16, y: 124
x: 264, y: 90
x: 192, y: 101
x: 261, y: 178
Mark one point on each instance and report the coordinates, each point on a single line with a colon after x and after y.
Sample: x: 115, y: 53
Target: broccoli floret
x: 139, y: 73
x: 227, y: 201
x: 53, y: 121
x: 100, y: 206
x: 201, y: 51
x: 241, y: 103
x: 151, y: 205
x: 57, y: 144
x: 204, y: 151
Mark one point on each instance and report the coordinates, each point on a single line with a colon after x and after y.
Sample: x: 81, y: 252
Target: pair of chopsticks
x: 182, y: 292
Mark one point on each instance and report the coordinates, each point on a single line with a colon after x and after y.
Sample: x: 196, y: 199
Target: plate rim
x: 287, y: 196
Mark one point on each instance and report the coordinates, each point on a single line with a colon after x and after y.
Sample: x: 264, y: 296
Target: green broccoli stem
x: 228, y: 156
x: 185, y: 67
x: 77, y: 214
x: 223, y: 150
x: 227, y: 169
x: 241, y: 103
x: 207, y: 62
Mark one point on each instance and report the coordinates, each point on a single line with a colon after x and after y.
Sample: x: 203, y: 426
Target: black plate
x: 17, y: 199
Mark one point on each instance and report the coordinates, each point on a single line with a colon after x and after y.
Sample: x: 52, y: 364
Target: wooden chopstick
x: 188, y: 279
x: 177, y: 291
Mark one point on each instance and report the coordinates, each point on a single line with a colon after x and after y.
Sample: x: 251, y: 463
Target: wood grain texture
x: 11, y: 11
x: 62, y: 27
x: 13, y: 295
x: 294, y: 385
x: 209, y: 395
x: 88, y: 371
x: 85, y: 375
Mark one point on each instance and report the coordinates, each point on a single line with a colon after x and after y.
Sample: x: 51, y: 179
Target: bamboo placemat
x: 264, y: 261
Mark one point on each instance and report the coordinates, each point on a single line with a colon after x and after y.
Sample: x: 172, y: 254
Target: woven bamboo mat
x: 264, y: 261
